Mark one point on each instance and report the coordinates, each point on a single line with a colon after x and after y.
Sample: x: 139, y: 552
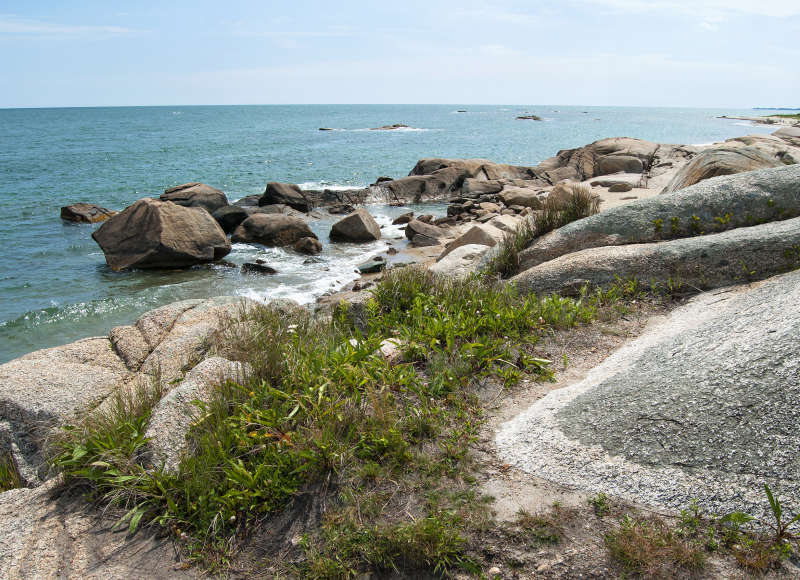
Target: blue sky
x: 716, y: 53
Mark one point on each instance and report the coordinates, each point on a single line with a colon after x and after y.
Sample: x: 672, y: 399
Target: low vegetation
x: 359, y: 460
x: 571, y: 203
x: 9, y: 476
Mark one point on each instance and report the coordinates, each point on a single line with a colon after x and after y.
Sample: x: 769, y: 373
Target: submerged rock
x: 196, y: 194
x: 376, y: 264
x: 158, y: 234
x: 87, y: 213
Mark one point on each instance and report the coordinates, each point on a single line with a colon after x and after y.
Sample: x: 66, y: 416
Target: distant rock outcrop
x: 158, y: 234
x: 287, y: 194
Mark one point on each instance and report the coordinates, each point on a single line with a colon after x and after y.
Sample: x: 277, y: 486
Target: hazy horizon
x: 643, y: 53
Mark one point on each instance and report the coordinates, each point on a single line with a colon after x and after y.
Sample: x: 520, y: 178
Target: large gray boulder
x: 521, y: 196
x: 481, y: 235
x: 475, y: 168
x: 720, y: 161
x: 702, y: 406
x: 789, y: 134
x: 359, y: 226
x: 701, y: 262
x: 196, y: 194
x: 287, y: 194
x: 158, y: 234
x: 272, y: 230
x: 712, y: 205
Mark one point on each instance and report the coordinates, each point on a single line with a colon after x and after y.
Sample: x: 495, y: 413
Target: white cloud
x: 771, y: 8
x: 10, y: 24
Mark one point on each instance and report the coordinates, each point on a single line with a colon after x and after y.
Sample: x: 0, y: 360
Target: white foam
x: 327, y: 185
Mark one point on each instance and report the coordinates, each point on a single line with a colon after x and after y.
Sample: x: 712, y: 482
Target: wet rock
x: 372, y: 266
x: 196, y: 194
x: 272, y: 230
x: 287, y: 194
x: 229, y: 217
x: 255, y: 268
x: 392, y: 127
x: 310, y: 246
x: 403, y: 219
x: 340, y: 208
x: 87, y: 213
x: 157, y: 234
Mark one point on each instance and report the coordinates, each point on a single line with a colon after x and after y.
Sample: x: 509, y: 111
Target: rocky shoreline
x: 706, y: 217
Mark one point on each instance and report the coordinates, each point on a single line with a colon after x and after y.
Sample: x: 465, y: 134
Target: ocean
x: 54, y: 284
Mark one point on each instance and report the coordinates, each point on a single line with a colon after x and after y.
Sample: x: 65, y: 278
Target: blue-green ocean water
x: 54, y: 284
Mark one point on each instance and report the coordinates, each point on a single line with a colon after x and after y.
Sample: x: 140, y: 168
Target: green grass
x: 9, y: 476
x: 787, y: 116
x: 324, y: 413
x: 564, y: 205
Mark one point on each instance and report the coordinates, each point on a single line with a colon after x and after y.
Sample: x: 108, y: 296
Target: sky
x: 701, y: 53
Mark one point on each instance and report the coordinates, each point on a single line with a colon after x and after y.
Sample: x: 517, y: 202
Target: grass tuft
x: 565, y: 204
x: 9, y: 475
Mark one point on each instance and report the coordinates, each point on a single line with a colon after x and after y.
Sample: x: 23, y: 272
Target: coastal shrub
x: 575, y: 202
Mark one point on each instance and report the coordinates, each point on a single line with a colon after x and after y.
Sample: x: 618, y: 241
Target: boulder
x: 417, y: 228
x: 783, y: 150
x: 174, y: 414
x: 359, y: 226
x: 310, y: 246
x: 520, y: 196
x: 603, y: 157
x: 620, y: 188
x: 714, y: 204
x: 473, y: 186
x: 720, y: 161
x: 477, y: 168
x: 529, y: 118
x: 87, y: 213
x: 433, y: 186
x: 461, y: 261
x: 403, y: 219
x: 340, y: 208
x: 272, y: 230
x: 505, y: 223
x: 789, y: 134
x: 229, y: 217
x: 287, y: 194
x: 196, y: 195
x: 701, y: 407
x: 482, y: 235
x: 702, y: 262
x: 247, y: 201
x: 372, y: 266
x: 158, y: 234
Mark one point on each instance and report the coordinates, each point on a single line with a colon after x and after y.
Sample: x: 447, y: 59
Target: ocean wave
x: 61, y: 313
x: 327, y: 185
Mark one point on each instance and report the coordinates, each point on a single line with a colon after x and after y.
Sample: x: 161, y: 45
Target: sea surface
x: 54, y: 284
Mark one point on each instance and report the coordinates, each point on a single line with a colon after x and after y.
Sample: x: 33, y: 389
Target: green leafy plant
x: 781, y: 526
x: 9, y: 475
